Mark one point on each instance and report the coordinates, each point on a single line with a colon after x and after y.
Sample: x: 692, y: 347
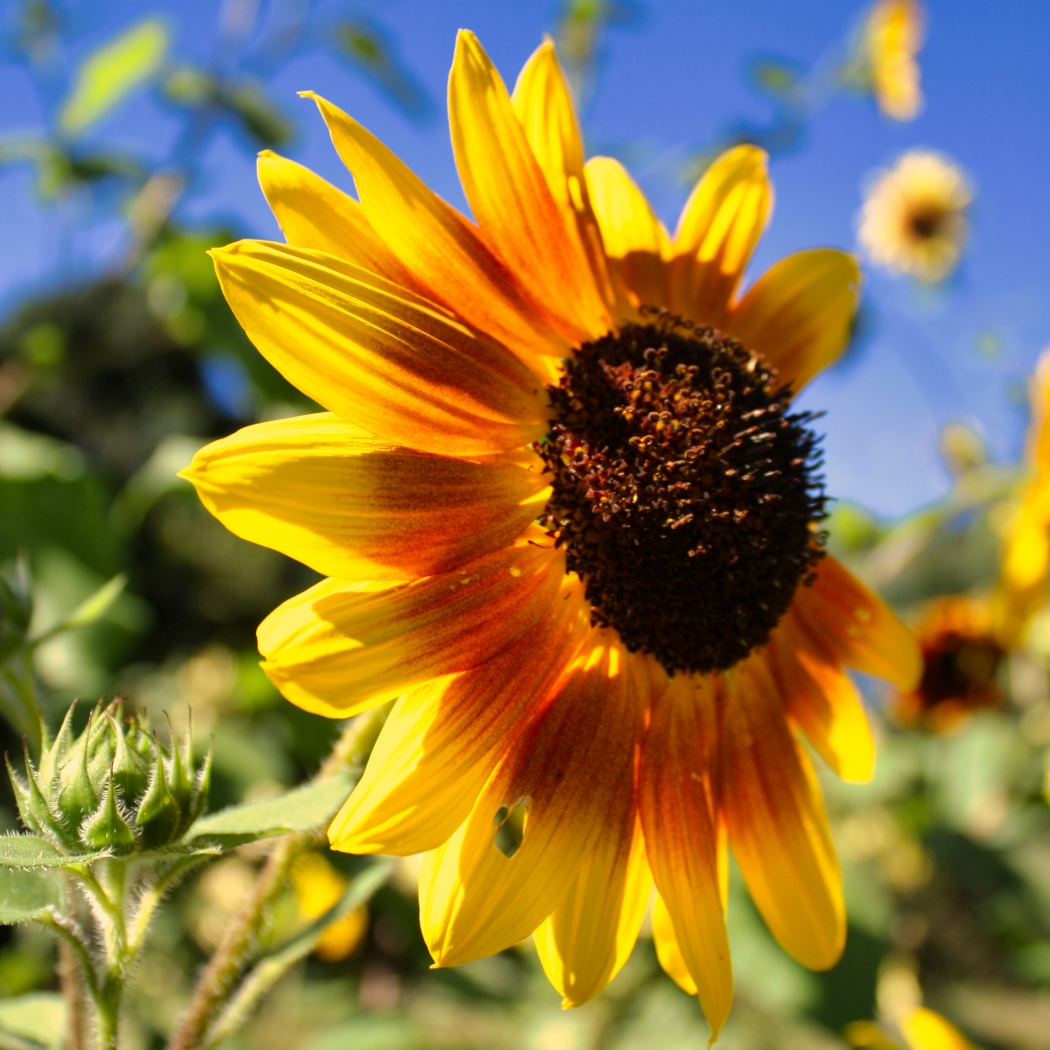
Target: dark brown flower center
x: 926, y: 222
x: 960, y: 670
x: 684, y: 493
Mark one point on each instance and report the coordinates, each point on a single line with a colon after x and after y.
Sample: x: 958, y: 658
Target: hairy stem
x: 272, y: 968
x: 221, y: 976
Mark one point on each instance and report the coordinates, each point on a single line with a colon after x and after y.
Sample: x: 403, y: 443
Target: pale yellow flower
x: 914, y: 217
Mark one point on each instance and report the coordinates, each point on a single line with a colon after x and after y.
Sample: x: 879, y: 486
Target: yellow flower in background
x: 569, y: 521
x: 890, y: 41
x: 907, y: 1024
x: 920, y: 1029
x: 961, y: 658
x: 914, y: 217
x: 318, y: 886
x: 1022, y: 586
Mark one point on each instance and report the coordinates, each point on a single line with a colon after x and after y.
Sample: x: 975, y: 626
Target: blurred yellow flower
x: 914, y: 217
x: 919, y: 1029
x: 1022, y: 586
x: 961, y: 657
x: 890, y: 41
x: 318, y: 886
x: 569, y: 523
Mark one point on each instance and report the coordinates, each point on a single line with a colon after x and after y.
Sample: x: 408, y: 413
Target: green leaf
x: 257, y: 115
x: 90, y: 609
x: 39, y: 1016
x: 113, y: 71
x: 31, y: 851
x: 25, y: 894
x: 300, y: 810
x: 372, y: 51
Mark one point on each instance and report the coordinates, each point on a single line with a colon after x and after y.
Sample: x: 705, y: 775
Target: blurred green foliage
x: 109, y: 385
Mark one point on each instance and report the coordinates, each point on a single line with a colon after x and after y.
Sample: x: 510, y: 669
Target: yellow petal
x: 798, y: 314
x: 675, y: 797
x: 336, y: 651
x: 544, y: 106
x: 636, y: 243
x: 379, y: 355
x: 926, y: 1030
x: 856, y: 626
x: 335, y: 498
x: 777, y: 823
x: 442, y: 740
x: 668, y: 952
x: 555, y: 790
x: 719, y: 228
x: 438, y: 246
x: 822, y: 700
x: 511, y: 201
x: 312, y: 213
x: 585, y: 941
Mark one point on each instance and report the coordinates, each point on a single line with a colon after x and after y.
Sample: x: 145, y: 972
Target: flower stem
x: 226, y: 967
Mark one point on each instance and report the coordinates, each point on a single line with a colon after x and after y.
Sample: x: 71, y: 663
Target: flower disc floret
x: 684, y: 491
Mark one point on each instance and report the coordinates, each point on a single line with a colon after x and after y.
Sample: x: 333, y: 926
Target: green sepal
x: 77, y: 799
x: 180, y: 783
x: 130, y: 769
x: 203, y: 787
x: 38, y: 800
x: 158, y: 813
x: 23, y: 799
x: 106, y: 829
x: 51, y: 759
x: 100, y: 749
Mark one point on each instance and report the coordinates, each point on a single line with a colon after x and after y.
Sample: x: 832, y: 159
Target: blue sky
x: 668, y: 83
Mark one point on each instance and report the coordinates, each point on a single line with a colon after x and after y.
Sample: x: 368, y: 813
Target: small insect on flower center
x: 683, y: 492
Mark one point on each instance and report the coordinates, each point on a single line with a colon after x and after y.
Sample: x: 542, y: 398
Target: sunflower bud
x: 113, y: 788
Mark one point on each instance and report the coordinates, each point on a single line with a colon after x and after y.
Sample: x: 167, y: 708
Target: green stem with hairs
x: 220, y: 979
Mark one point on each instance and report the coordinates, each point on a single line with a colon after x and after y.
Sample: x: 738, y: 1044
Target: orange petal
x: 822, y: 699
x: 544, y: 106
x: 798, y: 314
x: 681, y: 840
x: 636, y: 243
x: 719, y: 228
x: 439, y: 247
x: 312, y: 213
x: 335, y: 651
x: 776, y: 821
x: 332, y: 496
x: 511, y: 201
x: 442, y: 740
x: 556, y: 789
x: 585, y: 941
x: 856, y: 626
x: 372, y: 352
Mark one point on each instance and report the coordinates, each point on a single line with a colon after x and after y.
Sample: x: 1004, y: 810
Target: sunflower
x: 962, y: 656
x: 890, y: 41
x: 1022, y: 586
x: 568, y: 520
x: 914, y: 217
